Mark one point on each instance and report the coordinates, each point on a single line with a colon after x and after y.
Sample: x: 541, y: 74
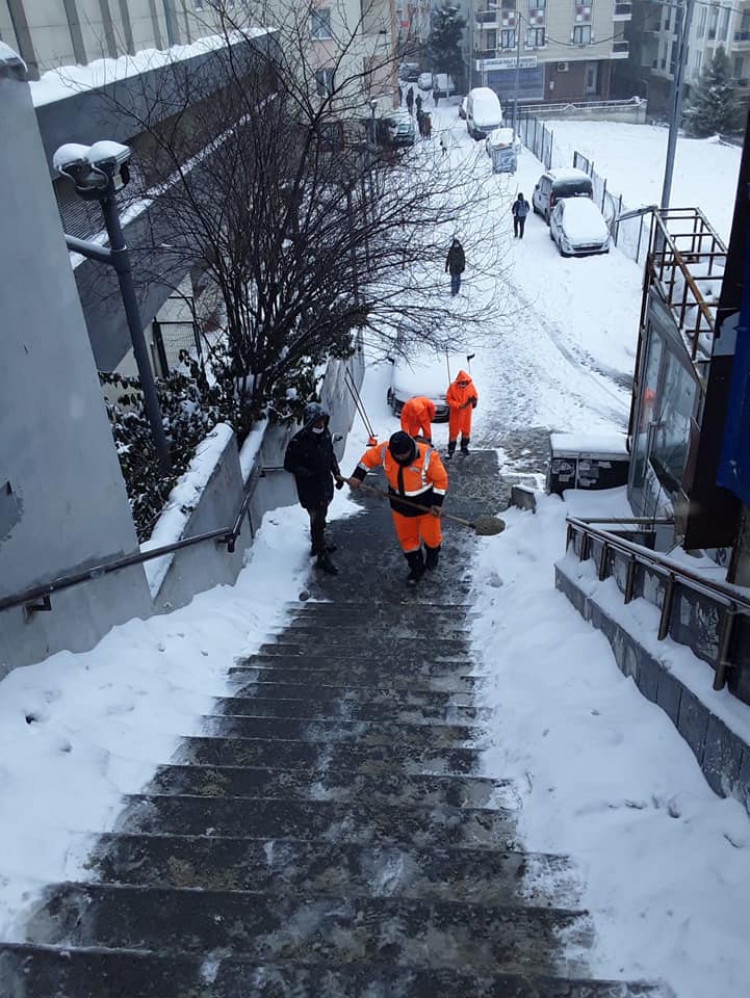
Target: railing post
x: 666, y: 609
x: 630, y: 579
x: 568, y: 537
x: 727, y: 629
x: 585, y: 540
x: 603, y: 561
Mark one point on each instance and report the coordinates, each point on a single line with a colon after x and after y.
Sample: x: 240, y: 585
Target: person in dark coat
x: 310, y: 458
x: 410, y: 100
x: 455, y: 262
x: 520, y: 210
x: 418, y: 104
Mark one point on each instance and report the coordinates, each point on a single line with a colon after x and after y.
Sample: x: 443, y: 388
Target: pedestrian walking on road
x: 410, y: 100
x: 444, y: 142
x: 311, y: 459
x: 455, y: 262
x: 417, y: 415
x: 435, y: 97
x: 520, y: 210
x: 418, y: 104
x: 400, y: 95
x: 413, y: 470
x: 462, y: 398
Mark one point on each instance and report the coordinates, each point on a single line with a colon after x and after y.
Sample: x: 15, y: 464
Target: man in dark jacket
x: 455, y: 262
x: 310, y: 458
x: 519, y: 211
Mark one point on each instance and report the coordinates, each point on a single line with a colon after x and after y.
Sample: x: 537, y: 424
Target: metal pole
x: 518, y: 67
x: 676, y: 102
x: 121, y: 263
x: 352, y: 247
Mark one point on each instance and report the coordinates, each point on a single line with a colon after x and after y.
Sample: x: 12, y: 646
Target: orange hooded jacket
x: 417, y: 415
x: 461, y: 401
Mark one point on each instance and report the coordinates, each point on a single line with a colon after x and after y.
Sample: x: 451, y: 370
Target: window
x: 508, y: 4
x: 713, y: 23
x: 698, y: 60
x: 535, y: 38
x: 667, y: 19
x: 724, y: 30
x: 508, y: 38
x: 672, y: 58
x: 582, y: 34
x: 592, y: 77
x: 324, y: 82
x: 739, y: 66
x: 701, y: 28
x: 320, y: 23
x: 491, y: 40
x: 536, y: 5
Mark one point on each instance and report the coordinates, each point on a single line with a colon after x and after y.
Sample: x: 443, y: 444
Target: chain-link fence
x: 631, y: 234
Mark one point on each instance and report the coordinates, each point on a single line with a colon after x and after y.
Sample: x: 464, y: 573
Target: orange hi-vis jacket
x: 424, y: 480
x: 460, y: 405
x: 417, y: 415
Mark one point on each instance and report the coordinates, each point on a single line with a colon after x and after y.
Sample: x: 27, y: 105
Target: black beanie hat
x: 401, y: 442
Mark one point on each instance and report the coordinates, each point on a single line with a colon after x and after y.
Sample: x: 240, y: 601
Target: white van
x: 442, y: 85
x: 483, y: 112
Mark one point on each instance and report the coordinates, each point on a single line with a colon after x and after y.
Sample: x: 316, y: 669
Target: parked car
x: 483, y: 112
x: 442, y: 85
x: 578, y: 227
x: 462, y: 108
x: 425, y: 81
x: 426, y: 372
x: 555, y: 185
x: 408, y: 72
x: 397, y: 128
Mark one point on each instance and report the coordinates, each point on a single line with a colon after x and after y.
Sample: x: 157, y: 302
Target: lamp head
x: 96, y: 170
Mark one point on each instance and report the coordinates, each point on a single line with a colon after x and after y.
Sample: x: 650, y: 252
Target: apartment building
x: 413, y: 21
x: 58, y: 37
x: 656, y: 47
x: 545, y: 50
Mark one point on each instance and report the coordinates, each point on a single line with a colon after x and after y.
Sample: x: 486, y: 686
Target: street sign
x: 525, y: 62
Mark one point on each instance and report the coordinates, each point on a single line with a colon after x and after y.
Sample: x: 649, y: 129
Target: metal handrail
x: 226, y: 535
x: 723, y: 593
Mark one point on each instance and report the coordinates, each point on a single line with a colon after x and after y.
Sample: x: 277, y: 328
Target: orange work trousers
x: 459, y: 421
x: 415, y: 429
x: 409, y: 530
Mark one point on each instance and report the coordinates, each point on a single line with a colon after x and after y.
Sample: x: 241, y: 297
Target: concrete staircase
x: 330, y: 834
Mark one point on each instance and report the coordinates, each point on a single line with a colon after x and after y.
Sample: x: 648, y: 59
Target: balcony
x: 620, y: 50
x: 487, y: 18
x: 742, y: 39
x: 623, y: 12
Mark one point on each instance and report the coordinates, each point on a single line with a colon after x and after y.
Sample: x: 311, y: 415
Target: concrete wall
x: 64, y: 505
x: 633, y: 113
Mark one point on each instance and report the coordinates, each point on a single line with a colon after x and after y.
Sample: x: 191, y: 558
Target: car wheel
x: 546, y: 217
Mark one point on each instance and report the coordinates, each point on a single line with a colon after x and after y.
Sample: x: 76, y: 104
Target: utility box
x: 592, y: 462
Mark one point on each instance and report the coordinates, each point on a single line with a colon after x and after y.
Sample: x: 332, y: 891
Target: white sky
x: 600, y: 773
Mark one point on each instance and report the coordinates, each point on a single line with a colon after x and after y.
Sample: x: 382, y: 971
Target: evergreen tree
x: 714, y: 104
x: 445, y: 42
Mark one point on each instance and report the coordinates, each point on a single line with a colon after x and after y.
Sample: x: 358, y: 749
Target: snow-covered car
x: 553, y: 185
x: 425, y: 81
x: 484, y: 112
x: 428, y: 373
x: 397, y: 128
x: 462, y: 108
x: 578, y: 228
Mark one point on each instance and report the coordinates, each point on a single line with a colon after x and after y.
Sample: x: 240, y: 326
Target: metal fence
x: 629, y: 235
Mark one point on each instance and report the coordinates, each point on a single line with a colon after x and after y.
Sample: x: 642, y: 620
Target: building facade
x: 545, y: 50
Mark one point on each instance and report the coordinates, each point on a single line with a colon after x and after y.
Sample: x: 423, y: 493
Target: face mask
x: 318, y: 429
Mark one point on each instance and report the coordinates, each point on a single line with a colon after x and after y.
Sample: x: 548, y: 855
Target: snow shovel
x: 483, y: 526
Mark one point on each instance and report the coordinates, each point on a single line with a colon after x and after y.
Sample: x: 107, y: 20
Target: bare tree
x: 270, y: 182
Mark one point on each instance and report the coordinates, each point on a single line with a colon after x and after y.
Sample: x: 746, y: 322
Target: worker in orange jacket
x: 413, y: 470
x: 417, y: 415
x: 462, y: 398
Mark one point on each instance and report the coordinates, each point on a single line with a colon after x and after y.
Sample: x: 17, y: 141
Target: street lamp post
x: 98, y: 172
x: 518, y: 71
x: 676, y: 100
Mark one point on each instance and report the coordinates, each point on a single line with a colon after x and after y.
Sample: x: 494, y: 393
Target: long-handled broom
x: 483, y: 526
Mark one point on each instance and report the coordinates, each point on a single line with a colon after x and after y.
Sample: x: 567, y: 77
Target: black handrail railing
x: 226, y: 535
x: 735, y: 604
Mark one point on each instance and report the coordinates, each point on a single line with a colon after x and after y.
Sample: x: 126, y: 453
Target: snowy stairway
x: 330, y: 834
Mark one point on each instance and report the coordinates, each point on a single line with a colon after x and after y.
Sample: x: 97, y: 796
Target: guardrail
x: 720, y: 615
x: 38, y: 598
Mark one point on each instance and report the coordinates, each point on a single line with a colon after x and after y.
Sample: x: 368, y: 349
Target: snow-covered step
x: 340, y: 784
x: 358, y: 671
x: 348, y: 644
x: 328, y: 632
x: 317, y: 930
x: 289, y: 866
x: 326, y: 755
x: 359, y: 822
x: 62, y: 972
x: 351, y: 710
x: 345, y: 693
x: 337, y: 730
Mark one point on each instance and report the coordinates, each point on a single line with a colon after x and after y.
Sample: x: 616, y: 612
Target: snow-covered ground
x: 632, y: 159
x: 602, y: 774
